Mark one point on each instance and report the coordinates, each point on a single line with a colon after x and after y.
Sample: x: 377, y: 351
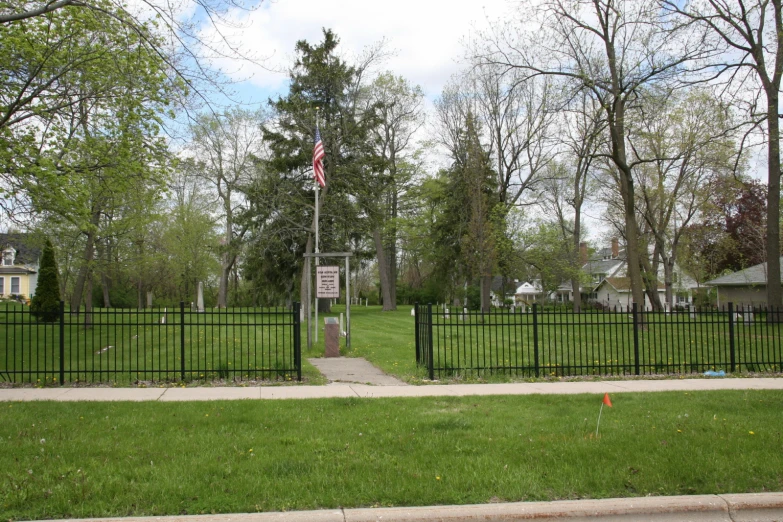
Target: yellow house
x: 18, y: 266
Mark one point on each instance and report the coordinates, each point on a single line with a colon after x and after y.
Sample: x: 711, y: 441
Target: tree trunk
x: 575, y: 280
x: 78, y: 289
x: 88, y: 302
x: 383, y: 271
x: 774, y: 292
x: 486, y: 298
x: 668, y: 273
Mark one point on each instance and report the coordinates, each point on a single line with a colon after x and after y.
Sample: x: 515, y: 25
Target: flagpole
x: 317, y: 187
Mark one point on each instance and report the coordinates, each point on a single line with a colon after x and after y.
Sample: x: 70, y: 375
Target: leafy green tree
x: 45, y: 305
x: 321, y: 83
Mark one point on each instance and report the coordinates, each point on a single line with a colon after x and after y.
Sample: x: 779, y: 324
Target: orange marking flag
x: 607, y: 401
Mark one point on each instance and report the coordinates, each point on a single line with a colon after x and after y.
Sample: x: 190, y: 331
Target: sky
x: 425, y: 36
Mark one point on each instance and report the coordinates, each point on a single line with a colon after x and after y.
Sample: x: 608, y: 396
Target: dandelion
x: 750, y: 432
x: 679, y: 431
x: 436, y: 478
x: 43, y: 441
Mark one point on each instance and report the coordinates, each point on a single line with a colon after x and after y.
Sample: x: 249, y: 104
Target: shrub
x: 45, y: 305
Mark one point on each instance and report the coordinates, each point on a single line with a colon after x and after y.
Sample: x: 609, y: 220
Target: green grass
x: 384, y: 338
x: 63, y: 460
x: 125, y: 346
x: 567, y: 345
x: 131, y: 348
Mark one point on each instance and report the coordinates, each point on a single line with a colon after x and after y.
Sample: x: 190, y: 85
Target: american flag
x: 318, y: 159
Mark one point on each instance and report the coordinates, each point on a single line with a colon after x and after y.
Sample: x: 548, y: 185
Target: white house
x: 528, y: 293
x: 607, y: 272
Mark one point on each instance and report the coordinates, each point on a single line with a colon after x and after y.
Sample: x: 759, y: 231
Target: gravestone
x: 331, y: 337
x: 200, y: 297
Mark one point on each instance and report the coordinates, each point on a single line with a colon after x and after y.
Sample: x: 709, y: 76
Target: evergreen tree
x: 45, y: 304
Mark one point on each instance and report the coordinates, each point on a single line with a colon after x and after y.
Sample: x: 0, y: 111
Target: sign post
x: 328, y: 286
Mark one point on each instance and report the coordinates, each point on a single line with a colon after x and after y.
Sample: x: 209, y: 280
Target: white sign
x: 327, y: 282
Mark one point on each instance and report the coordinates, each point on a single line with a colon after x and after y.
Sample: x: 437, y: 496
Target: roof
x: 28, y: 250
x: 623, y: 284
x: 497, y: 284
x: 755, y: 275
x: 529, y: 288
x: 12, y: 270
x: 602, y: 266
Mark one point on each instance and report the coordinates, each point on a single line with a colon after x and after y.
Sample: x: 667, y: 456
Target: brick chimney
x: 615, y: 248
x: 582, y: 253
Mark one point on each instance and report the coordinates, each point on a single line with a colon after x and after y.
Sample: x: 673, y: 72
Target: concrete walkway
x: 353, y: 369
x: 337, y: 390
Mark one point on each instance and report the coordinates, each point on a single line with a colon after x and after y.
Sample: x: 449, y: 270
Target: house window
x: 2, y: 285
x: 15, y: 285
x: 8, y: 257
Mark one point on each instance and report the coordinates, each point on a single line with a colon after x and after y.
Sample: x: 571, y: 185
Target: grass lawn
x: 384, y: 338
x: 129, y: 346
x: 567, y: 345
x: 63, y: 460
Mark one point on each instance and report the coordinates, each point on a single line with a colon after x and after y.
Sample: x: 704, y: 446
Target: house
x: 501, y: 289
x: 746, y: 287
x: 607, y: 262
x: 528, y: 292
x: 18, y: 266
x: 609, y: 284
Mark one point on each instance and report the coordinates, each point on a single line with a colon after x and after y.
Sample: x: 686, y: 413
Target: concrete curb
x: 749, y: 507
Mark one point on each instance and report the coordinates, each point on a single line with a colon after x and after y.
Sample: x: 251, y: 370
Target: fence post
x: 416, y: 330
x: 635, y: 315
x: 62, y: 342
x: 297, y: 341
x: 732, y: 347
x: 430, y: 348
x: 182, y: 339
x: 535, y: 340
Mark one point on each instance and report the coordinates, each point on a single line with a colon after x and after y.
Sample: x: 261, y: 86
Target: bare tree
x: 612, y: 48
x: 399, y: 108
x: 582, y: 137
x: 688, y: 135
x: 753, y: 32
x: 226, y: 146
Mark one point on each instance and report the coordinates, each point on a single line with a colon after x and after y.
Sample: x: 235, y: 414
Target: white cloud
x: 426, y: 34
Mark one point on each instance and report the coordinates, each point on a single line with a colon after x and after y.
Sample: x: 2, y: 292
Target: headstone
x: 413, y: 312
x: 445, y: 313
x: 465, y: 314
x: 748, y: 315
x: 331, y: 337
x: 200, y: 297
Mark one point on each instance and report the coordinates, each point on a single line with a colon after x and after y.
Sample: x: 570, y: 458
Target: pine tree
x: 45, y: 304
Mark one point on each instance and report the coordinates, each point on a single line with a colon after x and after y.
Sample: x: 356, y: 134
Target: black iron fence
x: 540, y: 343
x: 115, y: 345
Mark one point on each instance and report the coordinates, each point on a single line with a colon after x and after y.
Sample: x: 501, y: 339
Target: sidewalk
x: 341, y: 390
